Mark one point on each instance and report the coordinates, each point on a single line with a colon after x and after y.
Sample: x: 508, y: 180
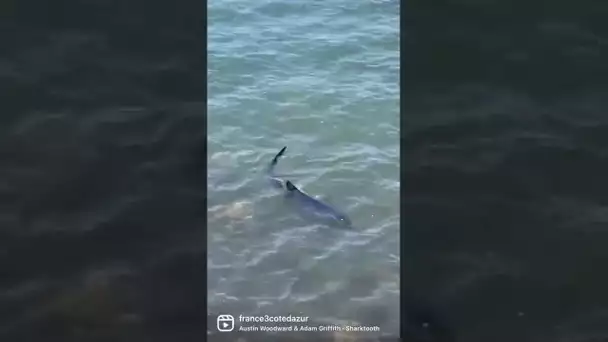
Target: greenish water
x: 322, y: 78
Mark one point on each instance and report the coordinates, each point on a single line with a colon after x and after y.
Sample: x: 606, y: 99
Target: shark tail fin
x: 275, y: 160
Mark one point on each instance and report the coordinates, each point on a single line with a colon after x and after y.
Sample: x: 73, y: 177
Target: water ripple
x: 322, y: 79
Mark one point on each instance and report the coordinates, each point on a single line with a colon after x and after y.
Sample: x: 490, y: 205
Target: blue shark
x: 307, y: 205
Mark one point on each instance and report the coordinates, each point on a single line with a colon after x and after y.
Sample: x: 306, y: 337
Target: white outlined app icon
x: 225, y: 322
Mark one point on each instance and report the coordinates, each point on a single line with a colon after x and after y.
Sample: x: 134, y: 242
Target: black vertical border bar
x: 70, y: 15
x: 402, y: 156
x: 204, y: 49
x: 420, y: 317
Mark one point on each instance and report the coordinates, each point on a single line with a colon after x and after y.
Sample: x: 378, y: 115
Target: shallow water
x: 322, y: 79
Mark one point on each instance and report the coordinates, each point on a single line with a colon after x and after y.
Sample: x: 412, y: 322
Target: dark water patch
x: 505, y: 129
x: 520, y: 195
x: 510, y: 43
x: 79, y: 194
x: 161, y: 299
x: 90, y: 58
